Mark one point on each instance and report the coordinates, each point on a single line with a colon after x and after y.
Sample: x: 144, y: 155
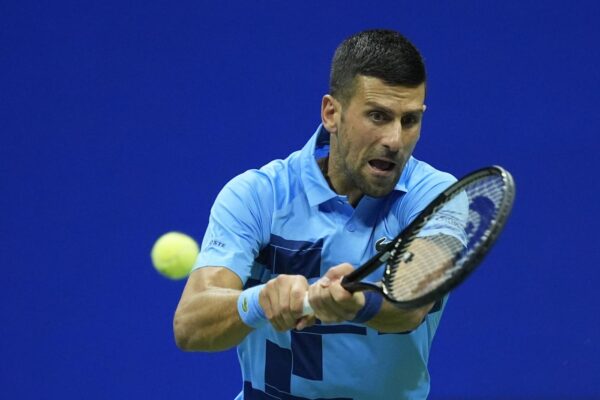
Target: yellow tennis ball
x: 174, y: 254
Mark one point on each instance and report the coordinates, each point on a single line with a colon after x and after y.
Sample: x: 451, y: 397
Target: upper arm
x: 422, y: 194
x: 239, y: 224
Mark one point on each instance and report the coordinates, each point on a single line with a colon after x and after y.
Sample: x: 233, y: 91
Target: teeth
x: 382, y: 165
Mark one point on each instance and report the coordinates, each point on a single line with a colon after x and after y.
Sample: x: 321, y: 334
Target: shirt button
x: 351, y: 227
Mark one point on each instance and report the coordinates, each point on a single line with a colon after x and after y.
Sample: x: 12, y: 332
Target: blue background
x: 122, y: 120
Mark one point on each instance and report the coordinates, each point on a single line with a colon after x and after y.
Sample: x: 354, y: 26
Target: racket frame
x: 353, y: 281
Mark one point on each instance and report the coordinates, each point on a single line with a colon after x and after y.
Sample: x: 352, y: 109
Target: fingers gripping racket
x: 443, y: 245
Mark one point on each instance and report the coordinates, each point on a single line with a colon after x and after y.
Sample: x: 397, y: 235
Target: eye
x: 409, y: 120
x: 378, y: 117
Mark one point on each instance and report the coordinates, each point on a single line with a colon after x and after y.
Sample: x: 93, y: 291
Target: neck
x: 323, y: 164
x: 325, y: 167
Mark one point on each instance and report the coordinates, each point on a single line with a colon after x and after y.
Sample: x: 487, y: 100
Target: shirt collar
x: 315, y: 185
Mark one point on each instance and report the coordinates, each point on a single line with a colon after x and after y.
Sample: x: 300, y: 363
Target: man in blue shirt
x: 298, y: 225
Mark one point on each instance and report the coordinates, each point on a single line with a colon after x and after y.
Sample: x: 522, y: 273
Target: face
x: 372, y: 136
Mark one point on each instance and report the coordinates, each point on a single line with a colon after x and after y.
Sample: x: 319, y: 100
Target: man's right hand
x: 282, y: 301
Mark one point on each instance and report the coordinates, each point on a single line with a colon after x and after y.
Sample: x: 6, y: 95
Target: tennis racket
x: 445, y: 243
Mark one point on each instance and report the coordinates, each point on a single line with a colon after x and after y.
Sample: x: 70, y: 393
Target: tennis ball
x: 174, y: 254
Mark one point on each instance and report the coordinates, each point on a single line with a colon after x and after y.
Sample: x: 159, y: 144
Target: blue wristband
x: 251, y: 313
x: 372, y: 306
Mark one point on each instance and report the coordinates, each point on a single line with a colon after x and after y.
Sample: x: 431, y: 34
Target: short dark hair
x: 379, y: 53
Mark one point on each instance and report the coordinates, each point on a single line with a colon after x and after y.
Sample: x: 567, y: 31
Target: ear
x: 330, y: 111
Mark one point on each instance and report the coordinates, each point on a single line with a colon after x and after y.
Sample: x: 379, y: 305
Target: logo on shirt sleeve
x: 216, y: 243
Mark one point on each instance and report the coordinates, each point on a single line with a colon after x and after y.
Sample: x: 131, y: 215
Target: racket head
x: 448, y: 240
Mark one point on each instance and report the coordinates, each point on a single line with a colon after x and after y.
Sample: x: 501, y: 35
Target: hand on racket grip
x: 306, y: 308
x: 325, y: 281
x: 345, y: 309
x: 308, y: 315
x: 331, y: 300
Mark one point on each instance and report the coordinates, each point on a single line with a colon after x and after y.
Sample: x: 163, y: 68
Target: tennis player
x: 300, y: 224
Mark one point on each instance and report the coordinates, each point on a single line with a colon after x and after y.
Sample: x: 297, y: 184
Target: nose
x: 392, y: 138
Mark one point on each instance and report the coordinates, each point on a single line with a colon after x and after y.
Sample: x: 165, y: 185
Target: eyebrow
x: 390, y: 111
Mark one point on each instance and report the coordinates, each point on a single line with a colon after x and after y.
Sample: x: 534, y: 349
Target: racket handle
x: 306, y: 308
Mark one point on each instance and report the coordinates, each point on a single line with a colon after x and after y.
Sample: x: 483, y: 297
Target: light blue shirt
x: 285, y: 219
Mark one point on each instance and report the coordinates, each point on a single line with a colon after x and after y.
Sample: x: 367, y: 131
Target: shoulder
x: 267, y: 187
x: 423, y: 183
x: 274, y: 182
x: 422, y: 176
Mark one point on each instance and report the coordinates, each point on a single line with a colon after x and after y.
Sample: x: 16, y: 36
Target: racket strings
x: 430, y: 262
x: 439, y: 247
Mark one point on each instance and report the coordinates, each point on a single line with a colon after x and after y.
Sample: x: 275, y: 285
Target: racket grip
x: 306, y: 308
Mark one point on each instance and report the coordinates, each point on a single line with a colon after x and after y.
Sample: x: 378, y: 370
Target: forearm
x: 391, y: 319
x: 209, y: 321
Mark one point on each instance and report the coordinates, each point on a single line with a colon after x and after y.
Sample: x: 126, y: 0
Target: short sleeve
x: 422, y: 194
x: 239, y: 224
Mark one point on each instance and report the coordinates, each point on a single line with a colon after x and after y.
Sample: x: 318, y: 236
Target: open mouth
x: 382, y: 165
